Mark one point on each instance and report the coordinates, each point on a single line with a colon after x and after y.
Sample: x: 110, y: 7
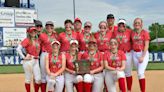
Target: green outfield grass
x: 19, y: 68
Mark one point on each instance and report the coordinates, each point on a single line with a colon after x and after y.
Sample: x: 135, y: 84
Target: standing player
x: 140, y: 44
x: 84, y: 37
x: 55, y: 66
x: 114, y: 60
x: 123, y: 36
x: 67, y: 36
x: 46, y: 39
x: 78, y: 26
x: 71, y: 77
x: 30, y: 60
x: 93, y: 82
x: 110, y: 20
x: 103, y: 36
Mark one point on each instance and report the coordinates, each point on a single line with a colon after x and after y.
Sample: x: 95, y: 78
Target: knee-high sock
x: 36, y: 87
x: 105, y: 87
x: 79, y: 87
x: 142, y: 84
x: 129, y: 81
x: 43, y: 87
x: 122, y: 84
x: 87, y: 87
x: 27, y: 86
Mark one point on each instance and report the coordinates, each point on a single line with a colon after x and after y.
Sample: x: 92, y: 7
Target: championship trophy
x: 82, y: 66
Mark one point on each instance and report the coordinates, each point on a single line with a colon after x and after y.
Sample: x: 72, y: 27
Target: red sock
x: 36, y: 87
x: 129, y: 82
x: 49, y: 91
x: 142, y: 84
x: 27, y: 86
x: 43, y: 87
x: 79, y: 87
x: 122, y: 84
x: 105, y: 87
x: 87, y: 87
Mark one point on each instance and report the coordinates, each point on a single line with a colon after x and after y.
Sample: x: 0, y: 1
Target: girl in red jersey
x: 30, y: 60
x: 67, y: 36
x: 84, y: 37
x: 46, y: 39
x: 55, y: 66
x: 123, y: 36
x: 114, y: 61
x: 140, y: 45
x: 93, y: 82
x: 71, y: 77
x: 103, y: 37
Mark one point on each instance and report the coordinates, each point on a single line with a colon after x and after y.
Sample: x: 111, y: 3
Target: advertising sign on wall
x: 7, y: 17
x: 25, y: 17
x: 13, y: 36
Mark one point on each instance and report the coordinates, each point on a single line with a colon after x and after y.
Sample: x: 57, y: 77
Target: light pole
x: 74, y: 11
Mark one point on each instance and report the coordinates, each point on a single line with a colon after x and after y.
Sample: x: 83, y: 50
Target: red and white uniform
x: 83, y: 41
x: 96, y: 79
x: 46, y: 41
x: 70, y: 79
x: 124, y: 40
x: 31, y: 67
x: 115, y: 61
x: 125, y: 44
x: 46, y: 48
x: 138, y: 44
x: 113, y: 28
x: 103, y: 42
x: 65, y: 40
x: 55, y: 67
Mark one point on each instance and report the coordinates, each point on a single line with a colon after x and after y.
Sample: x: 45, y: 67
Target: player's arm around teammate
x: 55, y: 66
x: 93, y: 82
x: 140, y: 44
x: 114, y: 61
x: 30, y: 61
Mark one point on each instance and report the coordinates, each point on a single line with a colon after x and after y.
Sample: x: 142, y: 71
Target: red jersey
x: 103, y: 42
x: 95, y: 61
x: 65, y: 40
x: 55, y: 63
x: 138, y: 40
x: 83, y: 41
x: 114, y: 60
x: 70, y: 60
x: 46, y: 41
x: 32, y: 49
x: 113, y: 28
x: 124, y: 40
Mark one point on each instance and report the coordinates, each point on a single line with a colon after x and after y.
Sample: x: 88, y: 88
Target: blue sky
x: 96, y: 10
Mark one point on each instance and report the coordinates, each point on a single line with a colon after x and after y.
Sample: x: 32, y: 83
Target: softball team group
x: 49, y: 57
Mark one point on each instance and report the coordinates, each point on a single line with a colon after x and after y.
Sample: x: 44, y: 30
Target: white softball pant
x: 70, y: 80
x: 141, y: 67
x: 111, y: 77
x: 43, y: 67
x: 56, y: 84
x: 97, y: 81
x: 129, y: 64
x: 32, y: 67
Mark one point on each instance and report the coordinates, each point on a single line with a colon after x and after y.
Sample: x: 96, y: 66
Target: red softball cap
x: 77, y: 20
x: 31, y: 29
